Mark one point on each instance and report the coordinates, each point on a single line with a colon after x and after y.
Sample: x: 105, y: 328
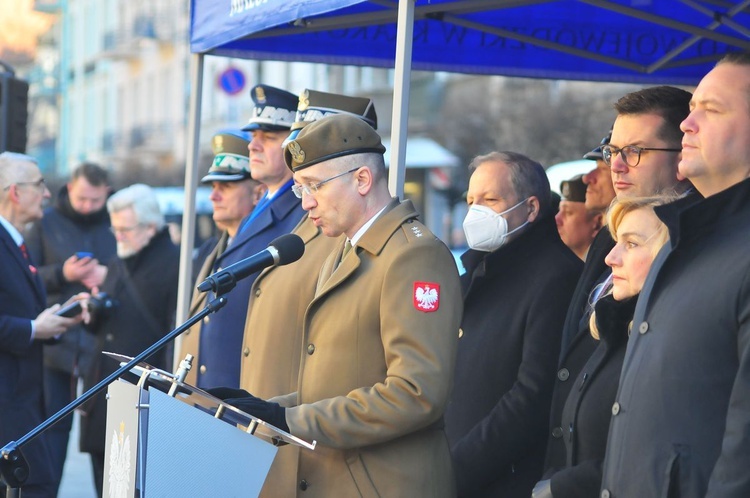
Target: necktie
x: 347, y: 248
x: 25, y: 253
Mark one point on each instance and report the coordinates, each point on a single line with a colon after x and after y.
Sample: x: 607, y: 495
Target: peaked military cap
x: 596, y: 154
x: 330, y: 137
x: 231, y: 157
x: 274, y: 109
x: 573, y: 190
x: 314, y: 105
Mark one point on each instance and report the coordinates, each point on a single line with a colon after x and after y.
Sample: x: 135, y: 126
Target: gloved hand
x: 542, y: 490
x: 273, y: 413
x: 227, y: 392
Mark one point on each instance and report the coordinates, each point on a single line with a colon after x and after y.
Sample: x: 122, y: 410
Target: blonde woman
x: 639, y: 235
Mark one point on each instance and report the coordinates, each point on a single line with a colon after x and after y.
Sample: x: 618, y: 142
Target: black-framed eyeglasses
x: 38, y: 184
x: 631, y: 154
x: 312, y: 188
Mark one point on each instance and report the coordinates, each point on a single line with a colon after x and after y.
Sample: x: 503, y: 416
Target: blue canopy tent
x: 636, y: 41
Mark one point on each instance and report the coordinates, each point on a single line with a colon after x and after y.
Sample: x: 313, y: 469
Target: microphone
x: 281, y: 251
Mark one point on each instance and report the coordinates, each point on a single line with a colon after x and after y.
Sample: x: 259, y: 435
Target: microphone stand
x: 14, y: 469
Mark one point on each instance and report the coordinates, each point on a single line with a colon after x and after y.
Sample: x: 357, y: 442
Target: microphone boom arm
x: 14, y: 469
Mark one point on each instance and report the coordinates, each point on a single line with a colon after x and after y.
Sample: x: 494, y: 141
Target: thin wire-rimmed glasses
x: 312, y: 188
x: 126, y: 230
x: 631, y: 154
x: 38, y: 184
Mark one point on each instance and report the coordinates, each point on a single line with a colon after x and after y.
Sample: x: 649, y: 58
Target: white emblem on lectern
x: 119, y: 464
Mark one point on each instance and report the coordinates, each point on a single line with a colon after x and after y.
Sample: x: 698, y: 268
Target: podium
x: 166, y: 438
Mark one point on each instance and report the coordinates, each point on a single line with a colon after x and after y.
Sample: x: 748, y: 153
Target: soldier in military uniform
x: 379, y: 337
x: 272, y: 341
x: 234, y: 194
x: 277, y: 213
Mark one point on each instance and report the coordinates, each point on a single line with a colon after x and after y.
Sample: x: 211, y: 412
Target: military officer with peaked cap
x: 234, y: 194
x: 276, y: 214
x: 379, y: 337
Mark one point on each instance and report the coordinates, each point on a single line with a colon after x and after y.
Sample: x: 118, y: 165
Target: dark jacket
x: 21, y: 405
x: 681, y: 417
x: 577, y: 345
x: 515, y: 300
x: 220, y: 339
x: 130, y: 327
x: 57, y: 236
x: 588, y: 408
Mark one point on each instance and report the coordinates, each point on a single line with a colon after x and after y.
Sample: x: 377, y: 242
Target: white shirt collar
x: 364, y: 227
x: 13, y: 231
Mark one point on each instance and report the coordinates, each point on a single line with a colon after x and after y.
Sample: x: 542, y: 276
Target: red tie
x: 25, y: 253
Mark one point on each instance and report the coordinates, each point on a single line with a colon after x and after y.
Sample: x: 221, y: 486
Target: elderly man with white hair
x: 139, y: 307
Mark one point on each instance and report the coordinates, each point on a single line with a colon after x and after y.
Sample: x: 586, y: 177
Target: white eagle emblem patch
x: 426, y: 296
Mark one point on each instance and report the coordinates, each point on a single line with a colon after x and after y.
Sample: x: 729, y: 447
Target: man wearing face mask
x: 518, y: 282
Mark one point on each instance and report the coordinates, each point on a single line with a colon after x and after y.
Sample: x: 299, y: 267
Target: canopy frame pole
x: 401, y: 89
x: 184, y: 286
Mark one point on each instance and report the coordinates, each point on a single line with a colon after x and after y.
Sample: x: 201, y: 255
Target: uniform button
x: 460, y: 333
x: 563, y: 374
x: 643, y: 327
x: 303, y: 485
x: 605, y: 493
x: 257, y: 292
x: 246, y: 352
x: 203, y: 369
x: 109, y: 337
x: 557, y: 432
x: 310, y: 348
x: 616, y: 408
x: 206, y: 320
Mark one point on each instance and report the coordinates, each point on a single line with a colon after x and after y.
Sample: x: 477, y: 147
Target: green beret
x: 330, y: 137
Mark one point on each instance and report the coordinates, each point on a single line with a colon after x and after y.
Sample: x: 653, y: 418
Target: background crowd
x: 594, y: 346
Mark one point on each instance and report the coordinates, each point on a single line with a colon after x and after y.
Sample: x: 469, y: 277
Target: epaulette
x: 414, y: 230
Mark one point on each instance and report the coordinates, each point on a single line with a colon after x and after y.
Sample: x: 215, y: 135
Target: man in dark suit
x: 24, y: 323
x: 277, y: 213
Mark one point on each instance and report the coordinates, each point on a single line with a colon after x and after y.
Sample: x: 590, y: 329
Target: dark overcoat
x: 588, y: 409
x: 515, y: 300
x: 127, y: 329
x: 56, y: 237
x: 681, y: 418
x: 577, y: 345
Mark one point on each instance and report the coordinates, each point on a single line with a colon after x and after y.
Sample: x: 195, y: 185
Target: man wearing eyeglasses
x: 379, y: 336
x: 643, y: 153
x: 24, y: 322
x: 644, y: 150
x: 142, y: 285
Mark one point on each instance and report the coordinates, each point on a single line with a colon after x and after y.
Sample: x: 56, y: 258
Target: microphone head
x: 290, y: 248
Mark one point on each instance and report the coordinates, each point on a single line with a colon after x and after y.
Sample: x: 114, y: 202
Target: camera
x: 101, y: 305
